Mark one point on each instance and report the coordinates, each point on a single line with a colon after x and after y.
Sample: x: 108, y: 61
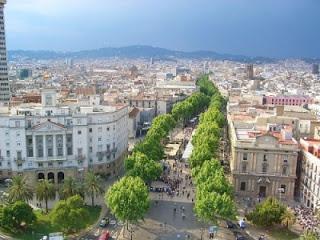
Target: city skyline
x: 244, y: 27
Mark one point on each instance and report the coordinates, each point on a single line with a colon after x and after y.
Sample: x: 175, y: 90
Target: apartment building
x: 52, y: 141
x: 310, y: 173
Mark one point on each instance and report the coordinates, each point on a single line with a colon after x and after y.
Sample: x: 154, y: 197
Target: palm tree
x: 70, y: 188
x: 45, y: 191
x: 93, y: 185
x: 288, y: 218
x: 19, y: 190
x: 309, y: 235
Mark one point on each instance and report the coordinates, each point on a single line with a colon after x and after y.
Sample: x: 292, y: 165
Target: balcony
x: 19, y: 159
x: 80, y: 157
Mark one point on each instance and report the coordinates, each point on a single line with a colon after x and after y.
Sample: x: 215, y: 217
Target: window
x: 283, y: 188
x: 109, y: 129
x: 284, y: 170
x: 264, y: 167
x: 99, y: 139
x: 265, y: 157
x: 19, y: 155
x: 245, y: 156
x: 50, y: 152
x: 17, y: 124
x: 244, y: 167
x: 40, y: 164
x: 60, y: 163
x: 30, y: 152
x: 242, y: 186
x: 79, y: 132
x: 69, y: 151
x: 90, y: 130
x: 48, y: 100
x: 78, y: 121
x: 90, y: 149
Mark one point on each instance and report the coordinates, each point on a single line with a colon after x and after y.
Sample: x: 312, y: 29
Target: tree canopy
x: 214, y: 193
x: 67, y: 213
x: 19, y: 189
x: 139, y: 165
x: 128, y: 199
x: 17, y: 216
x: 267, y: 213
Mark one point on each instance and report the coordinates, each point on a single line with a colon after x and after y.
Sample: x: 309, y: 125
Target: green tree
x: 66, y: 214
x: 128, y: 199
x: 19, y: 190
x: 45, y: 191
x: 267, y: 213
x: 93, y: 185
x: 211, y: 205
x: 200, y: 154
x: 17, y: 216
x: 288, y: 218
x: 309, y: 235
x: 151, y: 147
x: 139, y: 165
x: 71, y: 187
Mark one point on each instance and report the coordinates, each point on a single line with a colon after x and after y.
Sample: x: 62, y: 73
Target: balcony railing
x: 19, y: 159
x: 80, y: 157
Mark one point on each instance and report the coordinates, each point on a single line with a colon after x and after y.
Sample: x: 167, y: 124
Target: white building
x: 4, y: 81
x: 310, y: 173
x: 53, y: 141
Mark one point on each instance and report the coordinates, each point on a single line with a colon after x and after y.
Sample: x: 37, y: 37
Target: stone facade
x: 263, y: 163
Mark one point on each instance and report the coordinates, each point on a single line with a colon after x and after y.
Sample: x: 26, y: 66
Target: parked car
x: 104, y: 222
x: 239, y: 236
x: 104, y: 236
x: 230, y: 224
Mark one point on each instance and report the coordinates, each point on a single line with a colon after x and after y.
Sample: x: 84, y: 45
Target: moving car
x: 104, y: 236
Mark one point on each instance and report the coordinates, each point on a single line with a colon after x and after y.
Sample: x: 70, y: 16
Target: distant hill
x: 133, y: 52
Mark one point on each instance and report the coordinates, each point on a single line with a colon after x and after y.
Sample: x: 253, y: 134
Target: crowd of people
x: 177, y: 182
x: 307, y: 219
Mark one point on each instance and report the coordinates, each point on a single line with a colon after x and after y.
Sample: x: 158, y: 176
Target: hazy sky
x: 252, y: 27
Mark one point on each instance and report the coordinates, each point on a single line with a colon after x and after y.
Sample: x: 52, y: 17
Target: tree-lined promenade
x: 214, y: 193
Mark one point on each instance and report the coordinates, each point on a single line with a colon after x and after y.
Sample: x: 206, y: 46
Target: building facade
x: 310, y: 174
x: 4, y: 80
x: 263, y: 162
x: 287, y: 100
x: 50, y: 141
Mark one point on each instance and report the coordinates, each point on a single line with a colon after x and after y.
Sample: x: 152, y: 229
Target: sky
x: 270, y: 28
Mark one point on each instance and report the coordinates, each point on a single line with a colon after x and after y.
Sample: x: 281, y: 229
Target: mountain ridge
x: 134, y: 51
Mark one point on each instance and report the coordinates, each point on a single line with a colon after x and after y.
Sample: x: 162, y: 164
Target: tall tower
x: 4, y: 81
x: 250, y: 71
x: 315, y: 68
